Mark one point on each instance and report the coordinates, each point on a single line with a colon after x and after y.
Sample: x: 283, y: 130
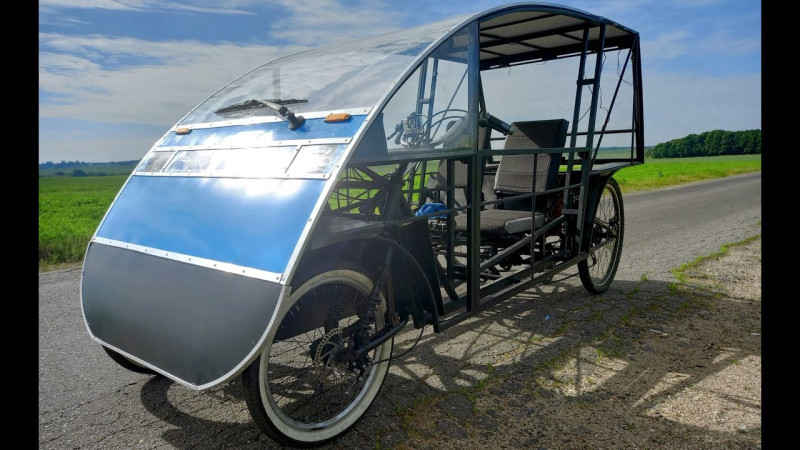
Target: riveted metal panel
x: 263, y: 133
x: 247, y: 222
x: 196, y: 325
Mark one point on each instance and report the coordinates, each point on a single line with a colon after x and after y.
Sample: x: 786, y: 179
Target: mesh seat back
x: 517, y: 173
x: 460, y: 172
x: 460, y: 168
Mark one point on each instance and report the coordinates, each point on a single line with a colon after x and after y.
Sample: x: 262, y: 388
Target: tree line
x: 86, y: 169
x: 71, y: 164
x: 710, y: 143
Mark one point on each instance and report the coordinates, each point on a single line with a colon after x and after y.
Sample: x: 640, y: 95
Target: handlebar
x: 411, y: 131
x: 494, y: 123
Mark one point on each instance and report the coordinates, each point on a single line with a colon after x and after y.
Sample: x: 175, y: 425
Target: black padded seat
x: 518, y: 174
x: 501, y: 222
x: 438, y: 180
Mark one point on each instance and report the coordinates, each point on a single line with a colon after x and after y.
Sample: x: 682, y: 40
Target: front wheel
x: 129, y: 364
x: 307, y: 387
x: 608, y: 227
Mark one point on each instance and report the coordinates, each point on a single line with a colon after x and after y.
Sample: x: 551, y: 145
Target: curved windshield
x: 351, y: 75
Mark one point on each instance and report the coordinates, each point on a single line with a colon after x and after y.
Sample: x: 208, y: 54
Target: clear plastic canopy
x: 355, y: 74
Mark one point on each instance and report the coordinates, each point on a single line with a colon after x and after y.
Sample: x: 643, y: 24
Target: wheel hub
x: 333, y: 360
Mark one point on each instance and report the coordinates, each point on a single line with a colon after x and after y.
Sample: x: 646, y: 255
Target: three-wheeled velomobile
x: 291, y: 225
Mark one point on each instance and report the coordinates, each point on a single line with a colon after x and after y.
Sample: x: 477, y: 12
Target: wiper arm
x: 273, y: 104
x: 255, y: 104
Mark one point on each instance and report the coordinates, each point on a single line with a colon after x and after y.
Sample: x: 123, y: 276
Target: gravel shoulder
x: 644, y: 365
x: 649, y: 364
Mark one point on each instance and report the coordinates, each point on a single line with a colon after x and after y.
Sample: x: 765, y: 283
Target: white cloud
x: 689, y: 4
x: 669, y: 45
x: 135, y: 81
x: 731, y: 35
x: 675, y: 105
x: 322, y: 22
x: 678, y: 105
x: 61, y: 21
x: 89, y: 147
x: 99, y: 4
x: 178, y: 77
x: 704, y: 28
x: 51, y: 6
x: 625, y: 12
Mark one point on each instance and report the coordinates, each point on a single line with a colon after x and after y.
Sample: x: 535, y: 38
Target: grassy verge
x: 70, y: 209
x: 680, y: 272
x: 659, y: 173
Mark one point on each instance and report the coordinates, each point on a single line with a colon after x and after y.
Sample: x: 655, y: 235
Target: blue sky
x: 115, y: 75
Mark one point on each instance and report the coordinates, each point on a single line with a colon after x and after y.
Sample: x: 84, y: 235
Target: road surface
x: 86, y: 401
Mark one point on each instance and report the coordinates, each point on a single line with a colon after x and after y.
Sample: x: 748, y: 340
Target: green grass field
x: 71, y: 208
x: 658, y: 173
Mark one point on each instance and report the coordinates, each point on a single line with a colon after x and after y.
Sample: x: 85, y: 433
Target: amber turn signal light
x: 337, y: 117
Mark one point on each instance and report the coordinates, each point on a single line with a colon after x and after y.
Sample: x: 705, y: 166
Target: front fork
x: 360, y: 336
x: 367, y: 321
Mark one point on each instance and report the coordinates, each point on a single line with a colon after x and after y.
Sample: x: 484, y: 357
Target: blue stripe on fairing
x: 254, y: 135
x: 253, y: 223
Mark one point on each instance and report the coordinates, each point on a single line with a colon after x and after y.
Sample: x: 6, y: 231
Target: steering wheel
x: 456, y: 127
x: 414, y: 129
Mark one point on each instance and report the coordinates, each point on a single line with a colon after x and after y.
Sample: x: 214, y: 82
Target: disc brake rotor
x: 329, y: 370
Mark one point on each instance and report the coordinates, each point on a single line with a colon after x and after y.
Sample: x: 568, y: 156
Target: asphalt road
x: 86, y: 401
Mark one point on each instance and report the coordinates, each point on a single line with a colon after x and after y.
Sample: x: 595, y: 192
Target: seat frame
x: 520, y: 174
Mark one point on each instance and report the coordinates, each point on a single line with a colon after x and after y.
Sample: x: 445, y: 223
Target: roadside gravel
x: 646, y: 365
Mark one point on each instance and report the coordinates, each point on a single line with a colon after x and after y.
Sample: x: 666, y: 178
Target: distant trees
x: 70, y: 164
x: 86, y: 169
x: 62, y: 164
x: 710, y: 143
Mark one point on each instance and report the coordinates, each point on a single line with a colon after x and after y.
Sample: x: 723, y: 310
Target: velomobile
x: 291, y: 225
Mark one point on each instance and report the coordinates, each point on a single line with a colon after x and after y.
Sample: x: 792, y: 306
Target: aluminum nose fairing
x: 187, y: 268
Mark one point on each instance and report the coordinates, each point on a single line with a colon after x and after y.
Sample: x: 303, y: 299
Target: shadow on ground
x: 646, y: 364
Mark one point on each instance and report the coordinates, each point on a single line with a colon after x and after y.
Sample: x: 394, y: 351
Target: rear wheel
x: 608, y: 227
x: 307, y: 387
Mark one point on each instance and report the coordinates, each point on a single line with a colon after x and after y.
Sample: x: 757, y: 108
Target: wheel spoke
x: 598, y: 271
x: 308, y: 384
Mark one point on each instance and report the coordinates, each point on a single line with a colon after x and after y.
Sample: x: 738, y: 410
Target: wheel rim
x: 308, y: 395
x: 605, y: 231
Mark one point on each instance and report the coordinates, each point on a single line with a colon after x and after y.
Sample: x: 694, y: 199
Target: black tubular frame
x: 498, y: 268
